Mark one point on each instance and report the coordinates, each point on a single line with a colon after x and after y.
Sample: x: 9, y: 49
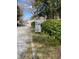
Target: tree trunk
x: 56, y: 14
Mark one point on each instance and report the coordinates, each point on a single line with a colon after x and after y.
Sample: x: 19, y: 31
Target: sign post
x: 37, y: 25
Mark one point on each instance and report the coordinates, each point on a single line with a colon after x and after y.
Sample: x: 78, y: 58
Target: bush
x: 53, y: 28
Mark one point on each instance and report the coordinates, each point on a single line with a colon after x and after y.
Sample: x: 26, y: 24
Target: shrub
x: 53, y: 28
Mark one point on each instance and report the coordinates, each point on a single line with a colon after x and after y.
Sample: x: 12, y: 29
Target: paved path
x: 24, y: 38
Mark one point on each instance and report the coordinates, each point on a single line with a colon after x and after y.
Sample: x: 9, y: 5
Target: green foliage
x: 53, y: 28
x: 51, y: 33
x: 53, y: 8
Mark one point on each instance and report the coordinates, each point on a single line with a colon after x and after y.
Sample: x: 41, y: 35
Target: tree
x: 19, y: 14
x: 53, y: 7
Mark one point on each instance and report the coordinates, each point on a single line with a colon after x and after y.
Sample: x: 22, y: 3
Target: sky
x: 25, y: 6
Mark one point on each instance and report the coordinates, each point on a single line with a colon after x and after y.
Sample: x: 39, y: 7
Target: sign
x: 38, y: 25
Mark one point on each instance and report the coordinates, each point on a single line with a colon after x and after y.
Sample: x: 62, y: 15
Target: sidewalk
x: 24, y: 39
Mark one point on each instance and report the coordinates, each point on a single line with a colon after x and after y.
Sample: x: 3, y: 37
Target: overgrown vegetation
x: 50, y: 37
x: 51, y: 33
